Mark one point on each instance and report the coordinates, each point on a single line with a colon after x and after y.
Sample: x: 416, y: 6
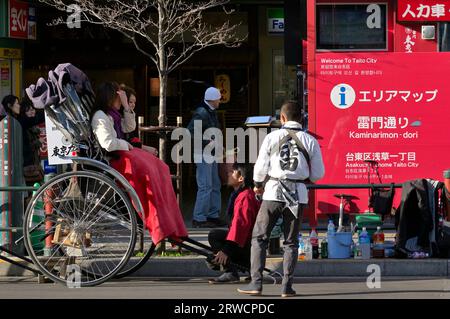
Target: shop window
x: 351, y: 26
x: 284, y: 81
x: 6, y: 78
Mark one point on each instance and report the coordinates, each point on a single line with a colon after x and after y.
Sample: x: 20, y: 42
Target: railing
x: 15, y: 230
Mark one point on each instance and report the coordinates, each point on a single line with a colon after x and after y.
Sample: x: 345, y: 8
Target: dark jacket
x: 207, y: 116
x: 414, y: 216
x: 29, y: 149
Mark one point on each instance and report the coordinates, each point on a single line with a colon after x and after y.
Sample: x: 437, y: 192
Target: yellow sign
x: 222, y: 82
x: 10, y: 53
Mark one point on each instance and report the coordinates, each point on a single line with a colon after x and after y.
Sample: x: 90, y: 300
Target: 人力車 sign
x: 423, y: 10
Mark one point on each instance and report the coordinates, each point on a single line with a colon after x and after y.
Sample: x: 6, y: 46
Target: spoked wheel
x: 143, y: 250
x: 80, y: 229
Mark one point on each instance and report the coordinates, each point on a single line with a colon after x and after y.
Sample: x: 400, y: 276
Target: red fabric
x: 150, y: 177
x: 246, y: 208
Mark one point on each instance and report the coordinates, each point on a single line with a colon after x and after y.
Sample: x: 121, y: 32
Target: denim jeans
x: 208, y: 202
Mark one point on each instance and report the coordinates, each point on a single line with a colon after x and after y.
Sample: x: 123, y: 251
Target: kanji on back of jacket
x: 378, y: 92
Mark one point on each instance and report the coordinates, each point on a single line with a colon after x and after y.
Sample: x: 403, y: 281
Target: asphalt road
x: 198, y: 288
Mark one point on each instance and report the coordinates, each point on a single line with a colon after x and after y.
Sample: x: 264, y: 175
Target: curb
x: 196, y: 267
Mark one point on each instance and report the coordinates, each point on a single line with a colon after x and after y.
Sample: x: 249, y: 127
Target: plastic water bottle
x: 331, y: 229
x: 314, y: 239
x: 357, y: 250
x: 308, y: 250
x: 324, y: 249
x: 378, y: 243
x: 301, y: 247
x: 364, y: 244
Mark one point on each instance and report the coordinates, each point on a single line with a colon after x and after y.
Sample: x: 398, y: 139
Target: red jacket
x: 246, y: 208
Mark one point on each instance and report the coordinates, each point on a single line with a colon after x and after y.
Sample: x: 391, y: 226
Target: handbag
x: 33, y: 173
x: 443, y: 239
x: 380, y: 199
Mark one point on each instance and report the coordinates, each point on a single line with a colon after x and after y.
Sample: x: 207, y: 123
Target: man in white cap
x: 208, y: 202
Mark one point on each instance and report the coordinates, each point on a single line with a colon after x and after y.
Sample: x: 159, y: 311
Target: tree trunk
x: 162, y: 94
x: 162, y: 59
x: 161, y: 247
x: 162, y: 114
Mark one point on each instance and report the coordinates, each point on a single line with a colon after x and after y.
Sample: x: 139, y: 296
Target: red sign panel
x: 423, y: 10
x: 391, y: 108
x: 18, y: 19
x: 408, y: 38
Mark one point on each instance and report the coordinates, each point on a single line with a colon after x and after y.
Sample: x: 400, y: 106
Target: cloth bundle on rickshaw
x: 68, y: 99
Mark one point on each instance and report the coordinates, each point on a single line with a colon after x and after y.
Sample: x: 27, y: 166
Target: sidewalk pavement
x: 194, y: 266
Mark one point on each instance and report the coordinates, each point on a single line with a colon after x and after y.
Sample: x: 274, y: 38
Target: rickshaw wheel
x: 80, y: 229
x: 141, y: 256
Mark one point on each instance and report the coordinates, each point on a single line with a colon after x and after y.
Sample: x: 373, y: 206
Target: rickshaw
x: 83, y: 226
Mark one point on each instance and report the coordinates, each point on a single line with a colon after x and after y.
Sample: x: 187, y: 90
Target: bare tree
x: 168, y: 32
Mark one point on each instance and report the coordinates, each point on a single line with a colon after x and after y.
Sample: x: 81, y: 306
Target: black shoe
x: 217, y: 222
x: 226, y: 278
x: 205, y: 224
x: 288, y: 292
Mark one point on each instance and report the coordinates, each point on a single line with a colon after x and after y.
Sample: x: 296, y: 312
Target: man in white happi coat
x: 288, y: 159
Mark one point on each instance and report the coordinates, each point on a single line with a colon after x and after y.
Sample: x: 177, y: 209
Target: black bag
x: 33, y: 173
x: 380, y: 200
x: 443, y: 240
x: 443, y: 233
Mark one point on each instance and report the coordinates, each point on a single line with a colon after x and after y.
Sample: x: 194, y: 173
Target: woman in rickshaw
x: 146, y: 173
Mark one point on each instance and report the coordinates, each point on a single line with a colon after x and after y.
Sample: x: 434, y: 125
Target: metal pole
x: 48, y: 208
x: 179, y: 167
x: 140, y: 123
x: 341, y: 214
x: 18, y: 189
x: 141, y: 234
x: 349, y: 186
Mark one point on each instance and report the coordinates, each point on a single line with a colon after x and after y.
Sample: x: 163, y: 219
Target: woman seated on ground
x: 233, y: 244
x: 146, y: 173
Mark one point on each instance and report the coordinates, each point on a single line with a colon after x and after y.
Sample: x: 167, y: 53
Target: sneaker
x: 217, y: 222
x: 226, y: 278
x: 251, y: 289
x: 205, y: 224
x: 288, y: 292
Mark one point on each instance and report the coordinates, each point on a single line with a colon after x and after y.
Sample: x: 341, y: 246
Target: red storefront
x: 378, y: 90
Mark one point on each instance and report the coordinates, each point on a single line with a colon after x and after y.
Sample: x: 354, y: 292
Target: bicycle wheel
x: 143, y: 250
x: 80, y: 229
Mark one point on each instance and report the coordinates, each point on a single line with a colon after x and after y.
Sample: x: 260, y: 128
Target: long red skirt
x: 150, y: 177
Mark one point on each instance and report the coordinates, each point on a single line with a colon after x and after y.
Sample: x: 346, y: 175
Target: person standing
x: 208, y: 202
x: 288, y: 159
x: 28, y: 118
